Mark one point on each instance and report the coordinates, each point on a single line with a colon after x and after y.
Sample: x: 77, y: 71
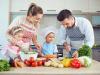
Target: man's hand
x: 67, y: 47
x: 75, y: 54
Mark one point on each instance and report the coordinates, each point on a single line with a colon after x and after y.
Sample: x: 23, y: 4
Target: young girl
x: 48, y: 47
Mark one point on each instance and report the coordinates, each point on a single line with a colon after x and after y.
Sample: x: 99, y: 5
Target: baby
x: 19, y: 43
x: 48, y: 47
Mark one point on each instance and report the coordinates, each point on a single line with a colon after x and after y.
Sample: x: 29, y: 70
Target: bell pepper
x: 75, y: 63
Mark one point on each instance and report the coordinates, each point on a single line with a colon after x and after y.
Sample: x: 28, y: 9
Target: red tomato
x: 34, y: 64
x: 31, y: 60
x: 27, y: 62
x: 39, y: 63
x: 75, y: 63
x: 43, y: 62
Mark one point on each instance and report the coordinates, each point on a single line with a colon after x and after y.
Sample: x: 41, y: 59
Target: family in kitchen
x: 22, y: 33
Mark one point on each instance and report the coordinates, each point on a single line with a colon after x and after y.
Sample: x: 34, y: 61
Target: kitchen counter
x: 92, y: 70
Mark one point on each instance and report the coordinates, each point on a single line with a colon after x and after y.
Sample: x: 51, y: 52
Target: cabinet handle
x: 23, y: 10
x: 51, y: 10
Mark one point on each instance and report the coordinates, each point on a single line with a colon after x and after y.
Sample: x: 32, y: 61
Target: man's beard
x: 71, y: 26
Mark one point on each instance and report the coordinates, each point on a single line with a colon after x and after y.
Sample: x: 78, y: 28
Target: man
x: 75, y: 31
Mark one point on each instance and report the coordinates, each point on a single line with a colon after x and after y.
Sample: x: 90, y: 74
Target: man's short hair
x: 64, y: 14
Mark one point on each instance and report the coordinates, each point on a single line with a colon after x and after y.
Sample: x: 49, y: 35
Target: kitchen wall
x: 4, y: 20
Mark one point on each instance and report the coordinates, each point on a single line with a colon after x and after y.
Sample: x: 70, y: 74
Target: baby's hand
x: 75, y: 54
x: 18, y: 63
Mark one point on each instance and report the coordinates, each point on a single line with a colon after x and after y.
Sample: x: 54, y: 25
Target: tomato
x: 27, y: 62
x: 39, y: 63
x: 43, y: 62
x: 31, y: 60
x: 75, y: 63
x: 34, y: 64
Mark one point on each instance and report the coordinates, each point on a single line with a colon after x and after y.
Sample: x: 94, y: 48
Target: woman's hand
x: 75, y: 54
x: 38, y: 46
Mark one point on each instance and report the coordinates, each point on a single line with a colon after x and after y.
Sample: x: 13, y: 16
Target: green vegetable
x: 85, y: 51
x: 4, y: 65
x: 85, y: 61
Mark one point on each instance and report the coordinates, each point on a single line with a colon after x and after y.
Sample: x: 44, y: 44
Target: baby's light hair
x: 15, y: 30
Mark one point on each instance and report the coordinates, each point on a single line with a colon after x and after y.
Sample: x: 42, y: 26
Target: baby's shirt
x: 49, y: 48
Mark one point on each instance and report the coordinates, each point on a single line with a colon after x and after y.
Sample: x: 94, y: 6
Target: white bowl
x: 28, y: 55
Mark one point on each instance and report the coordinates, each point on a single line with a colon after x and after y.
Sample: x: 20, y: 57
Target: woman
x: 29, y: 23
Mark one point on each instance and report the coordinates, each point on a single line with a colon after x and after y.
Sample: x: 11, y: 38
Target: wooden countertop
x: 93, y: 70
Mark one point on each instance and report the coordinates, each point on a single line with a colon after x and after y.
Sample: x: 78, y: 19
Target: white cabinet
x: 94, y: 5
x: 51, y: 6
x: 76, y: 5
x: 18, y: 5
x: 47, y: 5
x: 54, y: 6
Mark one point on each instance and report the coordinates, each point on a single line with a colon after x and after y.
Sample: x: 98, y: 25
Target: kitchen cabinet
x: 50, y: 6
x: 94, y: 5
x: 93, y: 70
x: 47, y: 5
x: 77, y: 5
x: 19, y: 5
x: 54, y: 6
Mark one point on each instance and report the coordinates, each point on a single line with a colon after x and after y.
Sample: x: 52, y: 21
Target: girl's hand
x: 75, y: 54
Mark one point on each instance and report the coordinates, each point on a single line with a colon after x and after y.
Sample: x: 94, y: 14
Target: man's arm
x: 89, y: 33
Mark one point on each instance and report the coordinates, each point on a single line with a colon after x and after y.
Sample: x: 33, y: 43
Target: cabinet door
x: 19, y: 5
x: 51, y: 6
x: 94, y: 5
x: 47, y: 5
x: 76, y: 5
